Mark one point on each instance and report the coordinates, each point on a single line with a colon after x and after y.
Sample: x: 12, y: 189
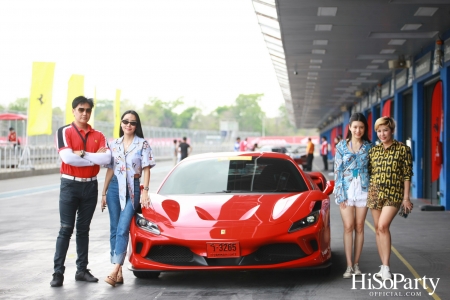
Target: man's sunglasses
x: 82, y: 109
x: 125, y: 122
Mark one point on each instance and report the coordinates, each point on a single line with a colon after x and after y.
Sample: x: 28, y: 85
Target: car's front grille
x: 170, y: 254
x: 278, y: 253
x: 265, y: 255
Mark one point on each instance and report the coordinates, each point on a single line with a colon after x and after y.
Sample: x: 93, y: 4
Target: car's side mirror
x: 329, y: 187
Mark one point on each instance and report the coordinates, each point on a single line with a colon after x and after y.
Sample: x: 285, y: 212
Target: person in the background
x: 178, y: 151
x: 350, y: 190
x: 243, y: 145
x: 237, y: 144
x: 131, y: 159
x: 324, y: 153
x: 175, y: 152
x: 310, y: 153
x: 184, y: 148
x: 336, y: 141
x: 390, y: 169
x: 12, y: 137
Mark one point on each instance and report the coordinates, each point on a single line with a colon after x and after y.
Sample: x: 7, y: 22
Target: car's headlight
x: 146, y: 225
x: 305, y: 222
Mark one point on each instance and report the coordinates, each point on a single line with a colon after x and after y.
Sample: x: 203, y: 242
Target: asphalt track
x: 29, y: 224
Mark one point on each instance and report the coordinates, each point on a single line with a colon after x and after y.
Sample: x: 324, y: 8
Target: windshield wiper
x: 285, y: 190
x: 277, y: 190
x: 222, y: 191
x: 228, y: 191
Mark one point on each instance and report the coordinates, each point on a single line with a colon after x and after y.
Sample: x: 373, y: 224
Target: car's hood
x: 205, y: 210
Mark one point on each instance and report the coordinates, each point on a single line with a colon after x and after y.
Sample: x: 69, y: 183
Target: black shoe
x: 58, y: 279
x: 85, y: 276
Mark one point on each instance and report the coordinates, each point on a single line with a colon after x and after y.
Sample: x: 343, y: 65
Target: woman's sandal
x: 119, y: 277
x: 110, y: 280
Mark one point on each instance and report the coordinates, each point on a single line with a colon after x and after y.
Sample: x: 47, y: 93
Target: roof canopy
x: 9, y: 116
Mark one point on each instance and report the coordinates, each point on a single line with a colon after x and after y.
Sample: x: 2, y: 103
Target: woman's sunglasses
x: 125, y: 122
x: 82, y: 109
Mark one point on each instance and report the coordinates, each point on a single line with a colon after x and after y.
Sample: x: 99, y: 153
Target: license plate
x: 222, y: 250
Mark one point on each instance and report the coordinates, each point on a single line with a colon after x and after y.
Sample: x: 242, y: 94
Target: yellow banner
x: 40, y: 104
x: 91, y: 120
x: 75, y: 89
x: 117, y: 115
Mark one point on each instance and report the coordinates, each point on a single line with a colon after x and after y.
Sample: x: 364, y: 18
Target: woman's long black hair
x: 138, y: 130
x: 361, y: 118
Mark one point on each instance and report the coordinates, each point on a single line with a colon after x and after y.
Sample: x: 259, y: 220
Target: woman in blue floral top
x: 351, y: 185
x: 131, y: 158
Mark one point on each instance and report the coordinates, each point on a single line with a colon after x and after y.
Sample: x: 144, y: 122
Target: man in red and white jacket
x: 82, y: 151
x: 324, y: 153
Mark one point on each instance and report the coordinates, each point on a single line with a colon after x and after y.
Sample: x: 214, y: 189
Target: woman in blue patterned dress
x: 131, y: 158
x: 351, y: 185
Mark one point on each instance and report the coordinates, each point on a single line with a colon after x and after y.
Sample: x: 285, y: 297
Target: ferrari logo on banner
x: 40, y: 104
x: 223, y: 231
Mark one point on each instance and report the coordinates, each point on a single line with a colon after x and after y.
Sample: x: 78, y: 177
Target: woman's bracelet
x: 104, y: 195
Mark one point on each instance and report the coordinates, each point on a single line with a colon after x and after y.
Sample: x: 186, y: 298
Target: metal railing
x: 17, y: 158
x: 150, y: 132
x: 13, y: 158
x: 40, y: 151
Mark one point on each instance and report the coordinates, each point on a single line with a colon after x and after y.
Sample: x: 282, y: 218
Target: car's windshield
x: 239, y: 174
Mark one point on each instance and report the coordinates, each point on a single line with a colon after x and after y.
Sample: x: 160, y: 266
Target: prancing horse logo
x: 40, y: 99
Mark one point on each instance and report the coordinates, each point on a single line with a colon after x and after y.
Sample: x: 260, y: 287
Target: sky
x: 206, y: 52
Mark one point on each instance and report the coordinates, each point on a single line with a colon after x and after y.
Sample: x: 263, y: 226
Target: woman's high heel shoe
x: 119, y: 279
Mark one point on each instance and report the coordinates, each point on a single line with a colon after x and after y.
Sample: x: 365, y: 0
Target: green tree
x: 280, y: 126
x: 224, y: 113
x: 208, y: 122
x: 248, y: 113
x: 188, y: 116
x: 159, y: 113
x: 104, y: 110
x: 57, y: 111
x: 20, y: 105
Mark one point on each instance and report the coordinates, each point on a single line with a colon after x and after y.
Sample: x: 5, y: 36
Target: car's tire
x: 146, y: 274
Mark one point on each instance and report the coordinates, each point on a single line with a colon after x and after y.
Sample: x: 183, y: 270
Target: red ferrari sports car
x: 234, y: 211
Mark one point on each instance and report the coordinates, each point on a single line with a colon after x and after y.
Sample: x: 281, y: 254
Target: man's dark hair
x: 81, y: 100
x: 11, y: 128
x: 138, y: 131
x: 174, y: 141
x: 184, y: 138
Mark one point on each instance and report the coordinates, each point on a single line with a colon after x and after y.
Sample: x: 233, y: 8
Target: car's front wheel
x: 146, y: 274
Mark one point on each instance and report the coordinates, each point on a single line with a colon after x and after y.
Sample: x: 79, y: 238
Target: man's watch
x: 82, y: 153
x: 146, y: 188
